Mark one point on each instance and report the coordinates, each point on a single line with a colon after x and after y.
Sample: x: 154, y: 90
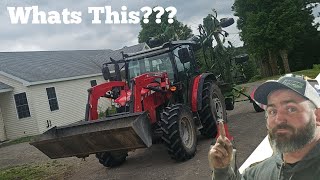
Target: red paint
x: 150, y: 99
x: 194, y: 97
x: 252, y: 93
x: 99, y: 91
x: 123, y: 98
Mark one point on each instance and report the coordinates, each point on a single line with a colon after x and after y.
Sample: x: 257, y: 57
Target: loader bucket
x: 126, y: 131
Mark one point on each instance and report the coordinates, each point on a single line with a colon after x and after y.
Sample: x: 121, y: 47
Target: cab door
x: 184, y: 69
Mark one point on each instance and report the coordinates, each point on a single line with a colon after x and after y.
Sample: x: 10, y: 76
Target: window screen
x: 52, y: 98
x: 22, y: 105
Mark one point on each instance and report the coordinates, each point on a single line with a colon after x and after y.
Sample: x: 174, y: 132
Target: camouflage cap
x: 296, y: 84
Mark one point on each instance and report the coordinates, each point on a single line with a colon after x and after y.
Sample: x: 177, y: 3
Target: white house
x: 42, y: 89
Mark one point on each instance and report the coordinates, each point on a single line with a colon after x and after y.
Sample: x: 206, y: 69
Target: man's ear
x: 317, y: 113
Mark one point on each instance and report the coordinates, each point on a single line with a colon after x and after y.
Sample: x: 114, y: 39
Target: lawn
x: 311, y: 73
x: 50, y: 170
x: 17, y: 141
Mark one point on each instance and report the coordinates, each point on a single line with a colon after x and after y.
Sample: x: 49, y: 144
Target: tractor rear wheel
x: 111, y: 159
x: 179, y: 132
x: 213, y: 108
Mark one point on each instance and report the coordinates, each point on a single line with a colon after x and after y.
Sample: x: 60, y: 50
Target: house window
x: 93, y: 83
x: 52, y: 98
x: 22, y: 105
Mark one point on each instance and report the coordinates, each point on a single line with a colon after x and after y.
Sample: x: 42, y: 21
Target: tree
x: 273, y: 28
x: 163, y: 31
x: 306, y: 52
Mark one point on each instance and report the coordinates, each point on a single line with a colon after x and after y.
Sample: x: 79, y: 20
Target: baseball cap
x: 296, y: 84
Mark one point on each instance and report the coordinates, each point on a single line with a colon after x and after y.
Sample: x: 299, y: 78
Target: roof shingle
x: 50, y: 65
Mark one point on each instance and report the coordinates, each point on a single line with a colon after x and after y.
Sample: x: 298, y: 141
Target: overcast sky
x: 38, y: 37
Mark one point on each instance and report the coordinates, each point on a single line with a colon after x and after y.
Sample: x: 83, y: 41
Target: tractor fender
x: 197, y: 87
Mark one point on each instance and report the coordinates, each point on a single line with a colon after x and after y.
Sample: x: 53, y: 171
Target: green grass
x: 50, y: 170
x: 312, y: 73
x: 17, y: 141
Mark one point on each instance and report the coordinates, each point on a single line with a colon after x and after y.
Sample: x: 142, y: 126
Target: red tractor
x: 159, y: 93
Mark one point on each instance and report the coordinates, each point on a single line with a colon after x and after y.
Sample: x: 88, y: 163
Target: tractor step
x: 126, y: 131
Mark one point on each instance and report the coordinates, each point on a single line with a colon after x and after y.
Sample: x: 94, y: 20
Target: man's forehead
x: 285, y: 94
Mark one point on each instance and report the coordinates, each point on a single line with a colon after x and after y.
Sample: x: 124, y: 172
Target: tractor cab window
x: 159, y: 63
x: 183, y: 68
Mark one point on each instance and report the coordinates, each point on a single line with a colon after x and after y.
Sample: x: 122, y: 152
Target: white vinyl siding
x: 3, y: 135
x: 72, y: 97
x: 16, y: 127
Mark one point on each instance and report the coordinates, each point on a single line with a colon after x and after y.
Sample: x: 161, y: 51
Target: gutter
x: 27, y: 83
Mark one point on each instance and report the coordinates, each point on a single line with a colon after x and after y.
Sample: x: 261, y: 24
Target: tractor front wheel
x: 213, y: 108
x: 111, y: 159
x: 179, y: 132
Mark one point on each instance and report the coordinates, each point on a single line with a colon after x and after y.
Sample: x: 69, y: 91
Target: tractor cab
x: 174, y: 58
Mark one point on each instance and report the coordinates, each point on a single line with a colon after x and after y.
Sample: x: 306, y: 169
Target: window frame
x: 93, y: 82
x: 52, y: 99
x: 22, y: 113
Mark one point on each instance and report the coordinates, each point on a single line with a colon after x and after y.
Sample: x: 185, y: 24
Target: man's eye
x: 291, y: 109
x: 272, y: 112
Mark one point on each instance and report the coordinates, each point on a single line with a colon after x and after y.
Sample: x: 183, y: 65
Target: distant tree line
x: 279, y: 34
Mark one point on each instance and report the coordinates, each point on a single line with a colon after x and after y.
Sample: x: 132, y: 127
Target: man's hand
x: 220, y: 155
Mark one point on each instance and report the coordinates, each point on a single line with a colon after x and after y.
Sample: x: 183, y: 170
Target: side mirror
x: 117, y: 72
x: 184, y: 55
x: 225, y: 22
x: 106, y: 73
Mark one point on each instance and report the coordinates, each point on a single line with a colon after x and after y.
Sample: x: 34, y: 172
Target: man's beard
x: 284, y: 143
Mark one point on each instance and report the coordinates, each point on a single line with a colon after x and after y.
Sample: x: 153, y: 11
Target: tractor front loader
x: 159, y: 93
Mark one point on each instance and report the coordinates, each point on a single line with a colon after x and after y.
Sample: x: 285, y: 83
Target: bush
x: 316, y: 66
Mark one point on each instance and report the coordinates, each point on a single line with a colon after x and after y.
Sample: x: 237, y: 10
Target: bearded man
x: 293, y: 123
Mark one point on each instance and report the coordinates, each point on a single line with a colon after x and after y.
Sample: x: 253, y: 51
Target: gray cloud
x: 103, y: 36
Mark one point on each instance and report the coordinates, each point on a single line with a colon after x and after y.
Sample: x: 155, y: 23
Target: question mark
x: 172, y: 12
x: 158, y: 16
x: 148, y: 11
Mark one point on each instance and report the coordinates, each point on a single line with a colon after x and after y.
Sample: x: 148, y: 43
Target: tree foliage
x: 163, y: 31
x: 274, y: 29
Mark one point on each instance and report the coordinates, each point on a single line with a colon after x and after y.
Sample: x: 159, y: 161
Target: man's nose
x: 281, y: 116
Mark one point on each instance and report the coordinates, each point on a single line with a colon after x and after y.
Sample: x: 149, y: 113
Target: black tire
x: 213, y: 108
x: 229, y: 103
x: 179, y: 132
x: 256, y: 107
x: 111, y: 159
